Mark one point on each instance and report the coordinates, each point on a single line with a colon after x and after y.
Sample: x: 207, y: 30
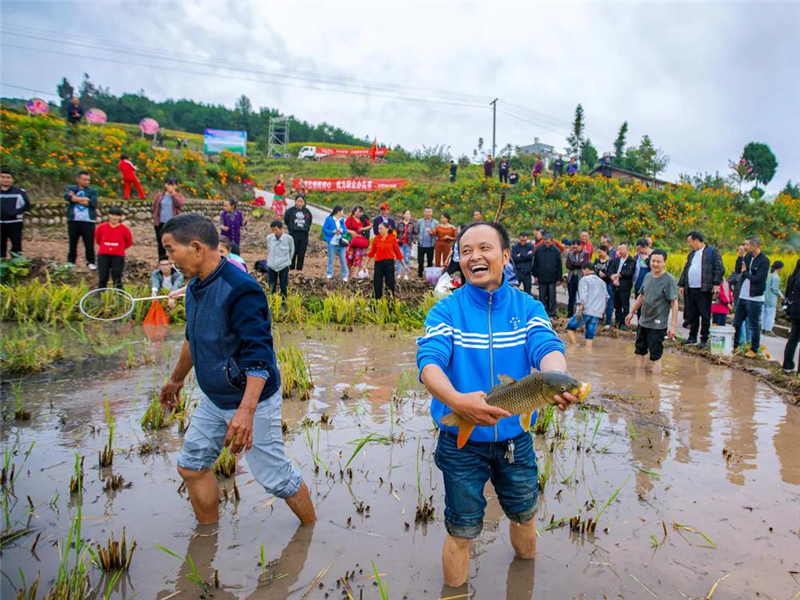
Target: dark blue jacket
x: 89, y: 193
x: 229, y: 330
x: 757, y: 272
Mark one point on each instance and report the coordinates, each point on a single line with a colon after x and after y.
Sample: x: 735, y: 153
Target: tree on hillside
x: 705, y: 181
x: 436, y: 158
x: 588, y: 156
x: 619, y: 146
x: 763, y: 161
x: 575, y: 139
x: 791, y: 190
x: 65, y: 92
x: 88, y: 92
x: 646, y: 158
x: 740, y: 171
x: 244, y: 109
x: 477, y: 154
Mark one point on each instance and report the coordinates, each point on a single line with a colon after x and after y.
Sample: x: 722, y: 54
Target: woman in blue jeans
x: 332, y: 230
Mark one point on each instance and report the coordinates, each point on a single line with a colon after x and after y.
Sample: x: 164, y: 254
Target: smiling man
x: 229, y: 342
x: 483, y: 330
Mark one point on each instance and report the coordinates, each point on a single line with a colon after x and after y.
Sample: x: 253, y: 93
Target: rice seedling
x: 115, y: 483
x: 318, y: 462
x: 106, y: 455
x: 680, y: 528
x: 352, y: 391
x: 76, y: 481
x: 155, y: 417
x: 544, y: 419
x: 24, y: 592
x: 610, y: 499
x: 22, y: 353
x: 19, y: 413
x: 295, y: 373
x: 425, y: 508
x: 544, y: 474
x: 384, y: 591
x: 72, y: 580
x: 225, y: 465
x: 111, y: 583
x: 115, y: 555
x: 194, y: 574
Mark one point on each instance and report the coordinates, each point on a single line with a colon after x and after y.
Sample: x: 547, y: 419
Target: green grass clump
x: 225, y: 466
x: 295, y: 373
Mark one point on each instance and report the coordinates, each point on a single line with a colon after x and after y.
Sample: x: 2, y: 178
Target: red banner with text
x: 372, y: 152
x: 348, y: 185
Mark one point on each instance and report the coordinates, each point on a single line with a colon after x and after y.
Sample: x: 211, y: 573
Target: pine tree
x: 575, y: 139
x: 619, y: 146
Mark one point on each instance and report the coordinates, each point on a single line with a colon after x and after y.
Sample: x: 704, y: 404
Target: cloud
x: 701, y: 79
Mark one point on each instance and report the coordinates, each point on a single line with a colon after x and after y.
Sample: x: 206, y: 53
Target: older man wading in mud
x: 482, y: 330
x: 229, y: 342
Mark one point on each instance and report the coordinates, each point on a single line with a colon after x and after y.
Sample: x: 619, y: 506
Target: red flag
x: 374, y: 152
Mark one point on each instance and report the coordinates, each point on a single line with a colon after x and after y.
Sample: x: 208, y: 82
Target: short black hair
x: 232, y: 202
x: 523, y: 234
x: 548, y: 236
x: 660, y: 252
x: 123, y: 157
x: 505, y: 240
x: 642, y: 243
x: 336, y: 209
x: 84, y: 172
x: 695, y: 235
x: 6, y: 171
x: 587, y: 264
x: 446, y: 215
x: 603, y: 247
x: 778, y: 264
x: 171, y: 181
x: 234, y: 247
x: 276, y: 223
x: 115, y: 210
x: 192, y: 227
x: 223, y: 240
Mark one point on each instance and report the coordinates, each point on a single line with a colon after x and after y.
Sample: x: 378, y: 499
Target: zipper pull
x: 510, y: 452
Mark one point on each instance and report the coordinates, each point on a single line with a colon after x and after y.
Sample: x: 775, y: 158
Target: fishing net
x: 107, y: 304
x: 156, y: 316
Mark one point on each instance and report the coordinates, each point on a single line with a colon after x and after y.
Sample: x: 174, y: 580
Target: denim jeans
x: 339, y: 251
x: 406, y: 262
x: 576, y: 322
x: 266, y: 459
x: 610, y: 305
x: 466, y: 471
x: 768, y: 318
x: 751, y: 312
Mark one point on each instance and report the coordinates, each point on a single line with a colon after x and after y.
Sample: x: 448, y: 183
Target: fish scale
x: 520, y: 397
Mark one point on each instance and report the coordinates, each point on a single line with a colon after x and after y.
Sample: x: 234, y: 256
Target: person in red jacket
x: 128, y: 171
x: 383, y: 252
x: 112, y: 239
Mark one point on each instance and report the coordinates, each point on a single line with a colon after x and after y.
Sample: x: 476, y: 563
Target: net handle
x: 124, y: 293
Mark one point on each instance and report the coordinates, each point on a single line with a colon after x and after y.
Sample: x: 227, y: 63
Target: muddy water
x: 697, y: 445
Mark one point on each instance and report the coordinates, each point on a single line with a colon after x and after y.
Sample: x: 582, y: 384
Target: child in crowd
x: 231, y: 222
x: 280, y: 250
x: 723, y: 304
x: 226, y: 249
x: 592, y: 298
x: 279, y: 199
x: 112, y: 239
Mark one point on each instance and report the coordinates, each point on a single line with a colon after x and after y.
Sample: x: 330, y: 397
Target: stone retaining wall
x: 54, y: 212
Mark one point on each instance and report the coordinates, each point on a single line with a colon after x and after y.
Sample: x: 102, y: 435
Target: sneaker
x: 623, y: 328
x: 789, y: 371
x: 344, y: 279
x: 750, y: 354
x: 689, y: 342
x: 329, y: 276
x: 702, y: 345
x: 405, y: 277
x: 92, y: 267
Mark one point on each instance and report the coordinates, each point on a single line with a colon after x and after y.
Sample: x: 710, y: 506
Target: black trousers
x: 791, y: 347
x: 503, y: 176
x: 424, y: 253
x: 524, y: 277
x: 274, y: 276
x: 697, y: 312
x: 384, y: 273
x: 107, y: 263
x: 10, y: 232
x: 300, y: 246
x: 572, y: 290
x: 622, y: 305
x: 162, y: 254
x: 77, y: 230
x: 547, y: 296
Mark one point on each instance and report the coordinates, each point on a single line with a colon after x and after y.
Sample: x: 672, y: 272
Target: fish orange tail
x: 464, y: 427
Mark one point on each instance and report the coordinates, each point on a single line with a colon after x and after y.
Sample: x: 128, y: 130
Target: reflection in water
x: 291, y: 562
x: 693, y: 410
x: 787, y: 447
x: 741, y: 445
x: 651, y: 444
x: 519, y: 581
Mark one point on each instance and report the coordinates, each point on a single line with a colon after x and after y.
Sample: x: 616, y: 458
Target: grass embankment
x: 58, y: 303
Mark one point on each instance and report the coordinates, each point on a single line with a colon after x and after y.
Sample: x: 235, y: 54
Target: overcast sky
x: 702, y: 79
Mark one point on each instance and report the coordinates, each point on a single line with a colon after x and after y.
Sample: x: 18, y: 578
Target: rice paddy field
x: 684, y: 484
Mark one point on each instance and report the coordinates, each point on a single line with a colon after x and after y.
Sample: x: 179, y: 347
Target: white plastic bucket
x: 432, y: 274
x: 720, y: 339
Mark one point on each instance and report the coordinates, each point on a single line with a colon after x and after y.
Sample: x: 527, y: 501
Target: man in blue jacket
x: 81, y: 217
x: 482, y: 330
x: 753, y: 268
x: 229, y: 342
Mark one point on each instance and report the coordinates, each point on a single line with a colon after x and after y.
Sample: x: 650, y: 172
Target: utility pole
x: 494, y: 126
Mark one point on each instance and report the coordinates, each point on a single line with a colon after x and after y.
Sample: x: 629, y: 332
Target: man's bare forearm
x: 554, y: 361
x: 439, y: 384
x: 252, y: 392
x: 184, y: 364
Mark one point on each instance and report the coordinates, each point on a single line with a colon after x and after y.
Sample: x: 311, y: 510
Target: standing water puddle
x: 705, y: 459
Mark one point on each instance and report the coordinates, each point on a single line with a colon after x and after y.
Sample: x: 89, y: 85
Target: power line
x: 19, y: 87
